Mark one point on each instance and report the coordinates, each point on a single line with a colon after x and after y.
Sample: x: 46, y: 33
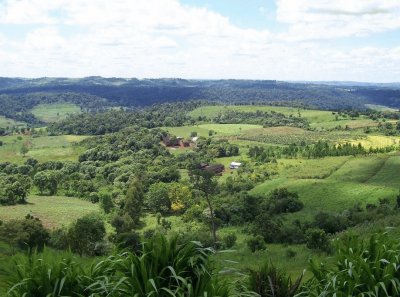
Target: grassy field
x: 337, y: 183
x: 50, y: 113
x: 53, y: 211
x: 6, y: 122
x: 318, y: 119
x: 289, y: 135
x: 380, y: 107
x: 42, y: 148
x: 378, y: 141
x: 220, y: 129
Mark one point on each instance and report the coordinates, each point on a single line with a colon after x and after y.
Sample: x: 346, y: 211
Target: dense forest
x: 97, y: 93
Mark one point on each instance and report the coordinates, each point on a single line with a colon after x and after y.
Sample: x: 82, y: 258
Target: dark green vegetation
x: 19, y: 96
x: 100, y: 183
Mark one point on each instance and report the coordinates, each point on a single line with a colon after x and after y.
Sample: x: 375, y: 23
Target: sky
x: 306, y: 40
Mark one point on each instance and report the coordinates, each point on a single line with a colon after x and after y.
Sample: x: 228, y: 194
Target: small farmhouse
x: 235, y: 165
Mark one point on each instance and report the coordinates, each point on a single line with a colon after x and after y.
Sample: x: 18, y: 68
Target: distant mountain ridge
x: 16, y: 93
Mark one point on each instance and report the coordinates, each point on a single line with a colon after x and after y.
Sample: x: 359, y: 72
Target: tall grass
x: 363, y: 269
x: 46, y: 274
x: 269, y: 281
x: 162, y: 268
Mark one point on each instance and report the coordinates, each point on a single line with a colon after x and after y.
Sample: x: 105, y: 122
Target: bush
x: 256, y: 243
x: 270, y: 229
x: 86, y: 233
x: 283, y: 201
x: 331, y: 223
x: 157, y: 200
x: 106, y: 202
x: 130, y: 241
x: 291, y: 253
x: 269, y: 281
x: 229, y: 240
x: 317, y: 239
x: 27, y: 233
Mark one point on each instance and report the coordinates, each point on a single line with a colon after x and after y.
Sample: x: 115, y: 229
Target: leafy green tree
x: 85, y: 233
x: 256, y: 243
x: 317, y: 239
x: 14, y: 189
x: 134, y: 199
x: 106, y: 202
x: 27, y: 233
x: 205, y: 182
x: 157, y: 198
x: 24, y: 149
x: 47, y: 180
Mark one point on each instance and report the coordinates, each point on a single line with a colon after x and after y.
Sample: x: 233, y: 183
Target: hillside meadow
x: 319, y: 119
x: 42, y: 148
x: 331, y: 184
x: 50, y: 113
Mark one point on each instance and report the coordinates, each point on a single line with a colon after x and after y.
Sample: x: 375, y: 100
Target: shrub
x: 291, y: 253
x: 85, y: 233
x: 269, y: 281
x: 331, y: 223
x: 130, y: 241
x: 229, y: 240
x: 317, y: 239
x: 27, y: 233
x: 283, y: 201
x: 106, y: 202
x: 256, y: 243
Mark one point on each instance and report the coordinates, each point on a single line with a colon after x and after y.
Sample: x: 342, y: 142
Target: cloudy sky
x: 355, y: 40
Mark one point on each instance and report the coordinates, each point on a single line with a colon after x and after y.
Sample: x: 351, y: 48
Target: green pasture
x: 378, y: 141
x: 335, y: 186
x: 380, y: 107
x: 319, y: 119
x: 53, y: 211
x: 6, y: 122
x: 219, y: 129
x: 43, y: 148
x: 289, y: 135
x: 50, y: 113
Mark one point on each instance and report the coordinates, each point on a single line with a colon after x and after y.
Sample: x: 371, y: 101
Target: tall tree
x: 205, y: 182
x: 134, y: 200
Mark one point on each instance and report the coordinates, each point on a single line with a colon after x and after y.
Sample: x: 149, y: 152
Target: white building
x: 235, y: 165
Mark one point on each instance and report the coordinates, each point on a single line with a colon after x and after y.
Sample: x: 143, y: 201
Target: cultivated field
x: 337, y: 183
x: 50, y: 113
x: 319, y: 119
x: 219, y: 129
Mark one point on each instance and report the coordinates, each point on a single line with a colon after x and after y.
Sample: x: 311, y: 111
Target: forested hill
x: 19, y: 95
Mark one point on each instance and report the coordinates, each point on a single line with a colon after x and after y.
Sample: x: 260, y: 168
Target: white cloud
x: 162, y: 38
x: 326, y: 19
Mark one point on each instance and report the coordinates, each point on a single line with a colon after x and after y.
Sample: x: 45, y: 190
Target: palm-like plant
x: 363, y: 269
x: 269, y: 281
x: 163, y: 268
x: 46, y: 274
